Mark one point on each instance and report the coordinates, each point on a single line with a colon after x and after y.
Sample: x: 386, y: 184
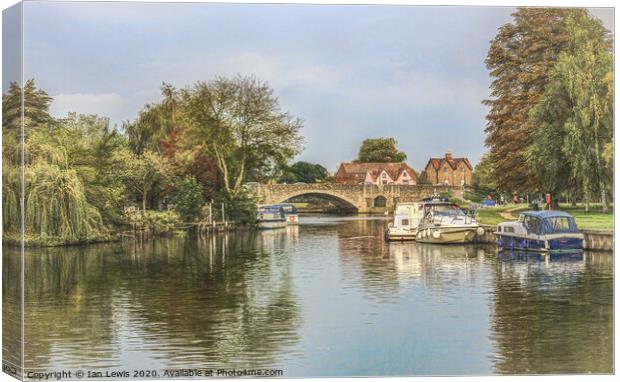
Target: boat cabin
x: 540, y: 231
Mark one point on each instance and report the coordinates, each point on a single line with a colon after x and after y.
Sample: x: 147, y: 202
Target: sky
x: 350, y: 72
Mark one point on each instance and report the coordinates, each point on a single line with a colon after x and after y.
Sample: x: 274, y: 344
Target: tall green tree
x: 483, y: 174
x: 239, y: 123
x: 520, y: 58
x: 380, y: 150
x: 142, y: 173
x: 574, y: 119
x: 304, y: 172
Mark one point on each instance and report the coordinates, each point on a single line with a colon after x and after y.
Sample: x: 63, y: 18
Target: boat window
x: 560, y: 224
x: 533, y: 224
x: 404, y: 222
x: 509, y: 229
x: 448, y: 210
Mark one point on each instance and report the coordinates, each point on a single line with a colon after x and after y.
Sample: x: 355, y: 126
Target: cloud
x: 104, y: 104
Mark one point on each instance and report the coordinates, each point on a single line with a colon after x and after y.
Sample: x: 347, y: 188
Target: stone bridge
x: 363, y: 198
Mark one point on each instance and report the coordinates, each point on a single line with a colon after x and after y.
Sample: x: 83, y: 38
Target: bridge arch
x: 340, y: 201
x: 380, y: 201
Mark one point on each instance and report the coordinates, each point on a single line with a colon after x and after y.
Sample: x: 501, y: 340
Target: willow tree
x: 520, y: 58
x: 574, y: 120
x: 56, y: 209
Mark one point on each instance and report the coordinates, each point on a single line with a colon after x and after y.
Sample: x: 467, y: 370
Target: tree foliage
x: 380, y: 150
x: 483, y: 174
x: 520, y: 59
x: 188, y: 198
x: 574, y: 119
x: 304, y: 172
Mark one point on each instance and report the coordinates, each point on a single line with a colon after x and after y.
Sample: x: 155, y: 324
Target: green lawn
x: 493, y: 215
x: 594, y: 219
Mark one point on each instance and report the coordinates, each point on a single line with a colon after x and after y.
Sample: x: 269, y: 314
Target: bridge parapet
x: 363, y: 197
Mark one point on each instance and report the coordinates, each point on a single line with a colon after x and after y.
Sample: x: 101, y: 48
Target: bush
x: 188, y: 199
x: 240, y: 207
x: 161, y: 221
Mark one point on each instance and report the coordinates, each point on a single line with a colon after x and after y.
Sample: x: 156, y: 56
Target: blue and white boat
x: 269, y: 216
x: 540, y: 231
x: 290, y: 213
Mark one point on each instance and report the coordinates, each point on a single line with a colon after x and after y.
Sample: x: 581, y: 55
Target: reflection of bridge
x: 361, y: 198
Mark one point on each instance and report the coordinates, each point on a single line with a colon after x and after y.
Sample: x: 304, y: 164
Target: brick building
x: 375, y: 173
x: 449, y: 171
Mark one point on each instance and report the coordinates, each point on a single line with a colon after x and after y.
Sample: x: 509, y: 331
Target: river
x: 326, y: 298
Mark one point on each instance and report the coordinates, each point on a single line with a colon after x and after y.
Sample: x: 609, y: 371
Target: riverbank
x: 594, y: 240
x: 33, y: 241
x: 594, y: 219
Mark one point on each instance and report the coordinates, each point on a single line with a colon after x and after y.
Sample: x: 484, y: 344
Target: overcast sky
x: 350, y: 72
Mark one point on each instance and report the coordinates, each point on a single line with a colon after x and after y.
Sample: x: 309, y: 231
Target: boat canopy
x: 288, y: 208
x: 548, y: 222
x: 271, y: 209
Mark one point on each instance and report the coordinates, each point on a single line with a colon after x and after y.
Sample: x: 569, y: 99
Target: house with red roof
x: 449, y: 171
x: 375, y: 173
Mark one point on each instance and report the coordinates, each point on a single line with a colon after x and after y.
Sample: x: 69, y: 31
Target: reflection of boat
x: 270, y: 217
x: 444, y: 223
x: 405, y: 224
x: 540, y: 231
x: 290, y: 212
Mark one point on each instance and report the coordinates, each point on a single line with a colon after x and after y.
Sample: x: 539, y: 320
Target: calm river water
x: 327, y: 298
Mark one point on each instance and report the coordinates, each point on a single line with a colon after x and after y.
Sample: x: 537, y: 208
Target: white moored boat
x: 405, y: 224
x: 269, y: 216
x: 444, y: 223
x: 290, y: 213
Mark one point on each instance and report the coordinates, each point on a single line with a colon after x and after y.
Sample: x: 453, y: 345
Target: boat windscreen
x: 448, y: 210
x: 558, y: 224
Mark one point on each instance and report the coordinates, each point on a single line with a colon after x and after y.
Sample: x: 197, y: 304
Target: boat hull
x: 292, y: 219
x: 447, y: 235
x: 551, y: 243
x: 400, y: 235
x: 271, y: 224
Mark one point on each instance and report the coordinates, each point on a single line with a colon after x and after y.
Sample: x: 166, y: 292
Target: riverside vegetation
x: 199, y: 144
x: 549, y: 130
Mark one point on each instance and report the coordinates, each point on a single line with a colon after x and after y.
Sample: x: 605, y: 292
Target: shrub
x: 188, y: 198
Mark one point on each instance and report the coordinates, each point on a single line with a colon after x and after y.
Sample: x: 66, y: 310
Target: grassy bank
x: 593, y: 219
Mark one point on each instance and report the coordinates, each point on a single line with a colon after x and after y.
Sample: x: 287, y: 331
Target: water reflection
x: 326, y: 298
x: 553, y: 314
x: 176, y: 302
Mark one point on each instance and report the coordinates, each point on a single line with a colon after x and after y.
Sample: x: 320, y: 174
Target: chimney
x: 448, y: 155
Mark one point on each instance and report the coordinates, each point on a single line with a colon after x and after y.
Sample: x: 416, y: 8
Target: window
x: 405, y: 222
x: 560, y: 224
x: 532, y: 224
x: 462, y: 170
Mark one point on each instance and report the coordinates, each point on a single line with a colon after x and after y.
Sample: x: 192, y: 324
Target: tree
x: 238, y: 122
x: 141, y: 173
x: 483, y: 174
x: 574, y: 120
x: 520, y: 58
x: 380, y: 150
x: 304, y: 172
x: 188, y: 198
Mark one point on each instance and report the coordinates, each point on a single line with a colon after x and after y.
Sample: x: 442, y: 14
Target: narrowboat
x: 268, y: 217
x: 405, y: 224
x: 444, y: 222
x: 540, y: 231
x: 290, y: 213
